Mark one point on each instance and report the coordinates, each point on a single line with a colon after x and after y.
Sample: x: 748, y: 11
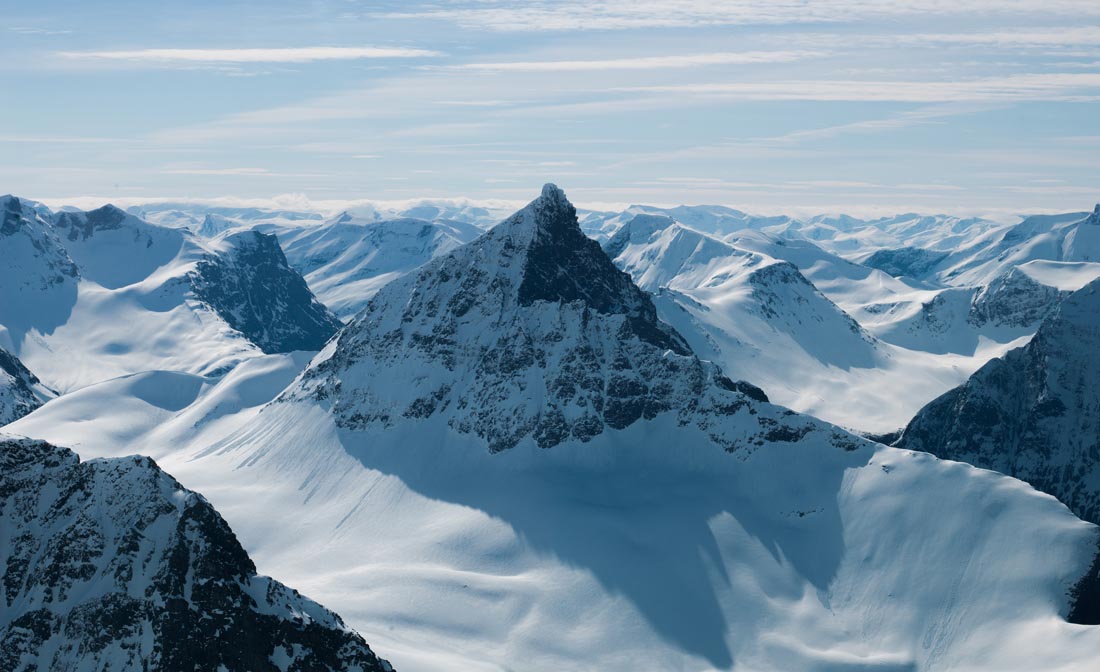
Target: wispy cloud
x: 215, y: 171
x: 577, y: 15
x: 1017, y: 38
x: 273, y: 55
x: 923, y: 115
x: 32, y: 30
x: 59, y: 139
x: 1045, y: 86
x: 236, y: 172
x: 645, y: 62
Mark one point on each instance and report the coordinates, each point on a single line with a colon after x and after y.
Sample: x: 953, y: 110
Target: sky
x: 771, y: 106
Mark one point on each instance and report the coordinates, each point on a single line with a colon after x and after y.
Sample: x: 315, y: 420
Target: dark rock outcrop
x: 113, y: 565
x: 20, y: 390
x: 253, y: 289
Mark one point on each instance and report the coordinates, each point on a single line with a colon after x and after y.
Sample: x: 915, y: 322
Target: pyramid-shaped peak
x: 551, y: 215
x: 551, y: 192
x: 1094, y: 218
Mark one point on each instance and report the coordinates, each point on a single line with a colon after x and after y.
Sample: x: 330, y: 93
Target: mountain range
x: 572, y: 439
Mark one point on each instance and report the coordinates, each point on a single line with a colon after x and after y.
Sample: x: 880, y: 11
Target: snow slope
x: 508, y: 460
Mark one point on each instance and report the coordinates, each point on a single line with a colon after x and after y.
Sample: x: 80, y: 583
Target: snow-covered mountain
x: 347, y: 259
x: 1033, y: 414
x: 113, y: 565
x: 715, y: 220
x: 843, y: 234
x: 747, y: 302
x: 209, y: 220
x: 756, y: 315
x: 1070, y: 241
x: 20, y: 390
x: 508, y: 456
x: 548, y: 342
x: 249, y: 284
x: 86, y: 296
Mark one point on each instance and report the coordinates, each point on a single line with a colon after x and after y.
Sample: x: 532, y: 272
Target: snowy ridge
x: 747, y: 302
x: 86, y: 296
x: 347, y: 259
x: 1033, y: 413
x: 112, y: 564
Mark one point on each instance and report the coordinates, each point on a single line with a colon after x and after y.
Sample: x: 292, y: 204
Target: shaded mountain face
x: 112, y: 564
x: 913, y: 262
x: 251, y: 287
x: 38, y: 278
x: 1033, y: 414
x: 1014, y: 299
x: 20, y: 390
x: 527, y: 332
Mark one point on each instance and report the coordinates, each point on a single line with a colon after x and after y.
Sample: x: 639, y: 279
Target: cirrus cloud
x: 644, y: 62
x: 271, y: 55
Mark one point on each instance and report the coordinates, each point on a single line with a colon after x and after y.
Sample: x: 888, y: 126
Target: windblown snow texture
x: 113, y: 565
x: 1033, y: 414
x: 253, y: 289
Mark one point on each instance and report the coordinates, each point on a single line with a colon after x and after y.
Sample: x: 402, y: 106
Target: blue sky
x: 770, y: 106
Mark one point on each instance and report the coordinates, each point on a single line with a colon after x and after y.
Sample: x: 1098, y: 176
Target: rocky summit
x: 528, y: 332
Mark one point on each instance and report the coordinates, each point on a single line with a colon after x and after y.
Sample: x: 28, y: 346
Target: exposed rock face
x: 1014, y: 300
x: 113, y: 565
x: 529, y: 332
x: 84, y: 225
x: 253, y: 289
x: 32, y: 255
x: 1033, y: 414
x: 20, y: 390
x: 913, y: 262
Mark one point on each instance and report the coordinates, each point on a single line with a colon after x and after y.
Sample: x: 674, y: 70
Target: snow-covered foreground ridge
x: 113, y: 565
x: 508, y: 461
